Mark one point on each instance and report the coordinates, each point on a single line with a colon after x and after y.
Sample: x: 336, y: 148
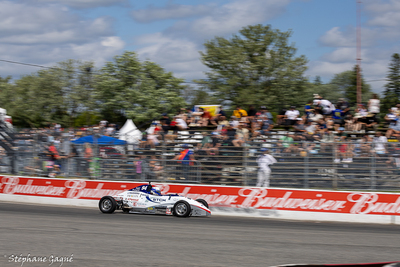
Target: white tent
x: 130, y: 133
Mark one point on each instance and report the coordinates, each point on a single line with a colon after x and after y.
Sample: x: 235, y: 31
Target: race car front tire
x: 181, y: 209
x: 202, y: 201
x: 107, y: 204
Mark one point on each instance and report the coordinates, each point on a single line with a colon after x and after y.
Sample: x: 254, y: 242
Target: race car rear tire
x: 181, y: 209
x: 202, y: 201
x: 107, y: 204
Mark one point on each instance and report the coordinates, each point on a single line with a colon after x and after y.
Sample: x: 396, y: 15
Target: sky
x: 172, y: 32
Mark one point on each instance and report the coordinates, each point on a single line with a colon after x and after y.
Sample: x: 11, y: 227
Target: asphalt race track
x: 118, y: 239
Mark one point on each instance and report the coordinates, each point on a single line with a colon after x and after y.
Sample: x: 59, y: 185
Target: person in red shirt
x: 205, y: 117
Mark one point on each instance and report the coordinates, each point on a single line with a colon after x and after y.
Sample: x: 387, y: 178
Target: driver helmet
x: 156, y: 191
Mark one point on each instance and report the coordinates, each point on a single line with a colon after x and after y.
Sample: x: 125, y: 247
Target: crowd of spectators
x: 321, y: 126
x: 316, y: 128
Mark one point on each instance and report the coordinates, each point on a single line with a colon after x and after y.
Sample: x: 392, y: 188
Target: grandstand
x: 326, y: 159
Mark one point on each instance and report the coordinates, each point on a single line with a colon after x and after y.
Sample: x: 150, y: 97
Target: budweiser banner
x: 219, y: 197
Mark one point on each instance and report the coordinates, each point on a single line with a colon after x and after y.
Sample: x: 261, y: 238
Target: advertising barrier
x: 228, y: 200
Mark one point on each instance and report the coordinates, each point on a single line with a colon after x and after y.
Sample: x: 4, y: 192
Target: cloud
x: 177, y: 55
x: 383, y: 13
x: 47, y: 35
x: 229, y: 18
x: 79, y: 4
x: 177, y: 48
x: 170, y: 11
x: 379, y: 40
x: 205, y: 21
x: 47, y: 25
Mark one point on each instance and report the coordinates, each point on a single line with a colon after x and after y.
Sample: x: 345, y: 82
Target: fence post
x: 306, y: 170
x: 244, y: 164
x: 335, y: 175
x: 373, y: 171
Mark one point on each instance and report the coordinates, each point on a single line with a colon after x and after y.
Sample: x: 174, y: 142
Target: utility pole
x: 359, y: 89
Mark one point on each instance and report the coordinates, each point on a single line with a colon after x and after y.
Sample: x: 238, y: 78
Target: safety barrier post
x: 306, y: 170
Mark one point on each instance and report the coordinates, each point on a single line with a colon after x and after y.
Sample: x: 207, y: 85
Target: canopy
x: 102, y: 140
x: 130, y: 133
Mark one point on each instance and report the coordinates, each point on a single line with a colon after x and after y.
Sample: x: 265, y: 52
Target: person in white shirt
x: 374, y: 104
x: 326, y: 106
x: 380, y: 143
x: 181, y: 124
x: 291, y: 116
x: 264, y: 171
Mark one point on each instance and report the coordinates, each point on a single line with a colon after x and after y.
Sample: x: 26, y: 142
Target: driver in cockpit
x: 155, y: 191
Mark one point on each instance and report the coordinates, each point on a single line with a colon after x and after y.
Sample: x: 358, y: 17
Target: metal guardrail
x: 143, y: 169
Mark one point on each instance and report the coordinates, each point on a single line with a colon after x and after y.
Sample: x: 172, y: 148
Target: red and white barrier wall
x: 293, y: 204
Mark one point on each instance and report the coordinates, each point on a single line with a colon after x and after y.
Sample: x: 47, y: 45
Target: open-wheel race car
x: 146, y: 199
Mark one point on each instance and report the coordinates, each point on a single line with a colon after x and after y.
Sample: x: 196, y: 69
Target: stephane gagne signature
x: 51, y: 260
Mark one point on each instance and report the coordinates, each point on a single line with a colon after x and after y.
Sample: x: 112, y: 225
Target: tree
x: 51, y: 95
x: 346, y: 83
x: 38, y: 99
x: 328, y: 91
x: 392, y: 88
x: 128, y: 88
x: 256, y: 66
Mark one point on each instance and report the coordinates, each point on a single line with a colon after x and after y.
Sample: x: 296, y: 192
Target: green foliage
x: 328, y: 91
x: 52, y: 95
x: 87, y: 118
x: 392, y: 88
x: 137, y: 90
x: 345, y: 83
x: 257, y: 66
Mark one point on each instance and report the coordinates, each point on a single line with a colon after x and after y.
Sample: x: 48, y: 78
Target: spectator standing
x: 204, y: 145
x: 205, y: 117
x: 300, y: 127
x: 242, y: 135
x: 338, y: 118
x: 110, y: 130
x: 216, y: 118
x: 252, y: 112
x: 186, y: 159
x: 165, y: 123
x: 374, y: 104
x: 344, y: 106
x: 239, y: 112
x: 88, y: 153
x: 234, y: 122
x: 265, y: 114
x: 308, y: 109
x: 74, y: 162
x: 394, y: 126
x: 266, y: 126
x: 380, y: 143
x: 370, y: 122
x: 230, y: 135
x: 181, y: 124
x: 391, y: 117
x: 315, y: 115
x: 291, y: 116
x: 324, y: 105
x: 221, y: 112
x: 152, y: 134
x: 281, y: 116
x: 264, y: 171
x: 54, y: 153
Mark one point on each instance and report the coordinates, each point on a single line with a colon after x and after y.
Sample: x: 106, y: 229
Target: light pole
x: 359, y: 89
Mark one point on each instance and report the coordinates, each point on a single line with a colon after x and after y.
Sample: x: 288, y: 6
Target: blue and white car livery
x: 146, y: 199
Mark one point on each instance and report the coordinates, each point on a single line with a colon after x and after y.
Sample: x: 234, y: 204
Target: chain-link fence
x: 352, y: 165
